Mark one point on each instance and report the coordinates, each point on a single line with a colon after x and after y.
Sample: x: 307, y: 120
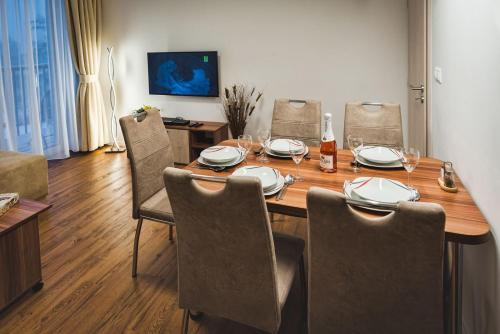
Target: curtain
x: 84, y: 26
x: 37, y: 95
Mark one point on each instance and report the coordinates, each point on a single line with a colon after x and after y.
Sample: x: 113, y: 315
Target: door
x: 417, y: 75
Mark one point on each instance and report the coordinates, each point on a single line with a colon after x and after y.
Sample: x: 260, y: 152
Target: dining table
x: 465, y: 224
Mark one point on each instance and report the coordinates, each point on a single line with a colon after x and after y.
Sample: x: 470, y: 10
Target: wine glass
x: 245, y: 144
x: 263, y: 137
x: 410, y: 157
x: 297, y: 150
x: 355, y: 145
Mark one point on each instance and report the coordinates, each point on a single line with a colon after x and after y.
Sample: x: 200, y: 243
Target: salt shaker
x: 448, y: 175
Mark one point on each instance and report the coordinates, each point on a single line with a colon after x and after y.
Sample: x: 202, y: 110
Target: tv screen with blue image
x: 183, y: 73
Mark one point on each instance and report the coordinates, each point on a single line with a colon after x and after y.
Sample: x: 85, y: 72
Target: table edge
x: 43, y: 207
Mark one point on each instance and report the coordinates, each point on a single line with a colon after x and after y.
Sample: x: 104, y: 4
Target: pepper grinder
x: 447, y: 179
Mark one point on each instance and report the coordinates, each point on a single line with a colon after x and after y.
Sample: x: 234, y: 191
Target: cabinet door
x: 179, y: 140
x: 20, y: 264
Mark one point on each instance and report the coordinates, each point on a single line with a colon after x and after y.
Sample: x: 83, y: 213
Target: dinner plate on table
x: 349, y: 194
x: 220, y: 154
x: 279, y: 185
x: 380, y: 190
x: 396, y: 164
x: 283, y: 145
x: 231, y: 163
x: 282, y: 155
x: 380, y: 154
x: 268, y: 176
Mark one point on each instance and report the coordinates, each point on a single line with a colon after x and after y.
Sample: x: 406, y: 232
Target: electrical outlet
x: 438, y: 75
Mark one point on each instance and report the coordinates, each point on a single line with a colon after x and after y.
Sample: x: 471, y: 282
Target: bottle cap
x: 328, y: 117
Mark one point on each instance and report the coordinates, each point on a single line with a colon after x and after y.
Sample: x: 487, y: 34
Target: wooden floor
x: 86, y: 247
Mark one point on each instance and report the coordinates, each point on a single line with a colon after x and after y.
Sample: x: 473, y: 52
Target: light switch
x: 438, y: 74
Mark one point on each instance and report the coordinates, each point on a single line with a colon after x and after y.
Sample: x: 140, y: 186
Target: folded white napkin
x: 7, y: 200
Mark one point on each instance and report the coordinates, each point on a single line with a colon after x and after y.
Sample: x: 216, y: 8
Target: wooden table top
x: 21, y: 213
x: 464, y: 221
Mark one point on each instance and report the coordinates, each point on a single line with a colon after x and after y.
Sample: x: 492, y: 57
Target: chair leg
x: 170, y: 232
x: 303, y: 280
x: 136, y: 247
x: 185, y: 322
x: 195, y: 315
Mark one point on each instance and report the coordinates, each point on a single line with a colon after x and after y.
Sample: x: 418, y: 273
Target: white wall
x: 466, y: 130
x: 331, y: 50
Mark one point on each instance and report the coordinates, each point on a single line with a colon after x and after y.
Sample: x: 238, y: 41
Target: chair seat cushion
x: 288, y: 251
x: 157, y: 207
x: 23, y: 173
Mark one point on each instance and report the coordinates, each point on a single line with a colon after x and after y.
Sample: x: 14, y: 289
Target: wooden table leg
x: 453, y: 268
x: 457, y: 286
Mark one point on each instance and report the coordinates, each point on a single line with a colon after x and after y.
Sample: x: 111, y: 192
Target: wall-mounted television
x: 183, y: 73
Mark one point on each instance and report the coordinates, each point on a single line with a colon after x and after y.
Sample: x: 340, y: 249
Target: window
x: 38, y: 77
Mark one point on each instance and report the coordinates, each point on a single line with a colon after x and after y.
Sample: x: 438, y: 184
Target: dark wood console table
x: 188, y: 142
x: 20, y: 261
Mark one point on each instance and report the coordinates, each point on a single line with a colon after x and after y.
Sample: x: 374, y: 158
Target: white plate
x: 396, y: 164
x: 268, y: 176
x: 279, y: 185
x: 286, y: 155
x: 349, y: 193
x: 380, y: 154
x: 220, y: 154
x: 380, y: 190
x: 282, y: 146
x: 226, y: 164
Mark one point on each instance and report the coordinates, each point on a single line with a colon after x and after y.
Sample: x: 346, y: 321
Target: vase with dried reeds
x: 239, y: 102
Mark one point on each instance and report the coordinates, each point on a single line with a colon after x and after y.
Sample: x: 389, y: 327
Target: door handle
x: 420, y: 98
x: 421, y: 88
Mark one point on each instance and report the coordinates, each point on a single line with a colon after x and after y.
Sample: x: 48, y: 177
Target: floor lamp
x: 116, y: 148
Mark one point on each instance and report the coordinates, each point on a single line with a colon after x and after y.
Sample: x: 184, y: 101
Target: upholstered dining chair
x: 149, y: 152
x: 374, y: 275
x: 380, y: 126
x: 302, y: 122
x: 230, y: 264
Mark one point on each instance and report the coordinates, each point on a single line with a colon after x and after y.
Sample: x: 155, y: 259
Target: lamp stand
x: 115, y: 148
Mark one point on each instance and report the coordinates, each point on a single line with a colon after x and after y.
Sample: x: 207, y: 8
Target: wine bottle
x: 328, y: 148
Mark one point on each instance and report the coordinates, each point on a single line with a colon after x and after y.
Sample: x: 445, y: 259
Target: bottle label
x: 326, y: 161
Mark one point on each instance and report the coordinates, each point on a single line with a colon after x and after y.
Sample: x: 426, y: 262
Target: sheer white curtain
x: 37, y: 79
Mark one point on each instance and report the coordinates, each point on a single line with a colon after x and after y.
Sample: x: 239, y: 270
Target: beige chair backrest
x: 149, y: 152
x: 382, y: 275
x: 381, y: 126
x: 302, y: 122
x: 225, y: 250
